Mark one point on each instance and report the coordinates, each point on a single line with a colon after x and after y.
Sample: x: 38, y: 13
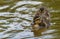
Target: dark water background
x: 16, y: 17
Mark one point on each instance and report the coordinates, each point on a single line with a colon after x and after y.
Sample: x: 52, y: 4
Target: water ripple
x: 16, y: 24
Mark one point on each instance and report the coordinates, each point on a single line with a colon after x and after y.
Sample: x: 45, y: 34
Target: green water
x: 16, y: 17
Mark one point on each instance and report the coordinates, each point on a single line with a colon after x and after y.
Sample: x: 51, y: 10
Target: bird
x: 41, y: 19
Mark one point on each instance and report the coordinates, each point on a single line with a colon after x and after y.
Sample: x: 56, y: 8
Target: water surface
x: 16, y: 17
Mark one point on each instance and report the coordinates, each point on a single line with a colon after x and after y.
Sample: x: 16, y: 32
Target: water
x: 16, y: 17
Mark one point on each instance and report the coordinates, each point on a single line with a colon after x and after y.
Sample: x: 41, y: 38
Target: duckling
x: 40, y: 18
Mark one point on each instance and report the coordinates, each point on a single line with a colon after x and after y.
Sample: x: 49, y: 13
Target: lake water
x: 16, y: 17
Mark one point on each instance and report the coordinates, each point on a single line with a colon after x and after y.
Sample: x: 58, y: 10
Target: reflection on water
x: 16, y: 17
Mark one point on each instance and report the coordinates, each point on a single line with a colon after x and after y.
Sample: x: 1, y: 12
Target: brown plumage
x: 41, y: 19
